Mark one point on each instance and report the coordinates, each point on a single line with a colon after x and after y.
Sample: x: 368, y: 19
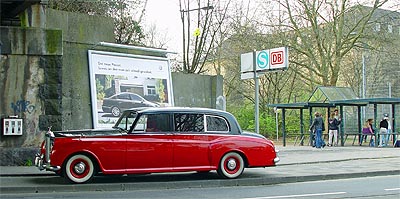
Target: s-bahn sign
x: 264, y: 60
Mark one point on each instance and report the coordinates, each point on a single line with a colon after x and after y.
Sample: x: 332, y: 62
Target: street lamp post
x: 364, y: 81
x: 209, y: 7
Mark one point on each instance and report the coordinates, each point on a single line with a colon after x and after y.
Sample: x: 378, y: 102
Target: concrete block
x: 45, y: 121
x: 30, y: 41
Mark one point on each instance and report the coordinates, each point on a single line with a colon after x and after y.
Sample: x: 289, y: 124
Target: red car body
x: 190, y: 139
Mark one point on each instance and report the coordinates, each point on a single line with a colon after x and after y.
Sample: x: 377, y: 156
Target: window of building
x: 151, y: 90
x: 377, y: 27
x: 390, y: 29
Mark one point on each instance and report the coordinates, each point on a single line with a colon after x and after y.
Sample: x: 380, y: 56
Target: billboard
x: 121, y: 81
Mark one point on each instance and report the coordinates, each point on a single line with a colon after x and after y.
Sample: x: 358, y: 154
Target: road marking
x: 302, y: 195
x: 394, y: 189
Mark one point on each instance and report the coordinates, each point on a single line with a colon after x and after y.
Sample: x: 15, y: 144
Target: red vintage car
x: 150, y: 140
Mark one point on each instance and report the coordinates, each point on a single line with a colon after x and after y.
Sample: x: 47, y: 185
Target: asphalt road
x: 298, y: 164
x: 368, y: 187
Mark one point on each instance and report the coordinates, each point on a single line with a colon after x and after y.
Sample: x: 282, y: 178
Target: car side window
x: 127, y: 121
x: 140, y: 124
x: 216, y: 124
x: 123, y: 96
x: 136, y: 98
x: 185, y: 122
x: 153, y: 123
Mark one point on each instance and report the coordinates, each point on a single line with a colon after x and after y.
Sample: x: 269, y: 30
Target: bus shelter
x: 336, y: 97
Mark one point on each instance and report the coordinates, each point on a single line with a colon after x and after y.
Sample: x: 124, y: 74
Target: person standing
x: 318, y: 126
x: 333, y: 127
x: 383, y: 131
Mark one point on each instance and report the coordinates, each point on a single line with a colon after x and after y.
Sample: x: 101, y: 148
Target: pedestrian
x: 383, y: 131
x: 318, y: 126
x: 333, y: 127
x: 368, y: 130
x: 337, y: 116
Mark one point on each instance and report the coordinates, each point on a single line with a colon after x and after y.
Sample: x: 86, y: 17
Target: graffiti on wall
x: 22, y: 106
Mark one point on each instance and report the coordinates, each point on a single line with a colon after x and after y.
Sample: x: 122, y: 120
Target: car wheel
x: 79, y: 169
x: 231, y: 165
x: 115, y: 111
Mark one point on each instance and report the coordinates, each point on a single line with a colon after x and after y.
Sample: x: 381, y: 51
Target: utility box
x: 12, y: 126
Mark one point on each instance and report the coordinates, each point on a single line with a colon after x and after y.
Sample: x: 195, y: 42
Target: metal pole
x: 257, y: 122
x: 277, y: 126
x: 390, y: 89
x: 363, y: 76
x: 364, y: 85
x: 301, y: 127
x: 283, y: 127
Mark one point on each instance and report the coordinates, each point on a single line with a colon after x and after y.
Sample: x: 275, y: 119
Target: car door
x: 191, y: 145
x: 149, y: 146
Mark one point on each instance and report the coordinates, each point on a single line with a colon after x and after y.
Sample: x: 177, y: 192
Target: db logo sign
x: 277, y: 57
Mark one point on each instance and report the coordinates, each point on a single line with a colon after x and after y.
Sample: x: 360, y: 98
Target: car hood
x: 87, y: 133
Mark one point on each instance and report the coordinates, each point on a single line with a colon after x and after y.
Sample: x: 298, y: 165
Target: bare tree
x: 323, y: 34
x: 197, y: 46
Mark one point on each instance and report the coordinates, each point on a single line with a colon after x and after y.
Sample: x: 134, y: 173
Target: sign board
x: 279, y: 58
x: 246, y: 62
x: 265, y: 60
x: 142, y: 79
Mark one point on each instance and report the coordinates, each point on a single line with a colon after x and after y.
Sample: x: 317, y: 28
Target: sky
x: 165, y: 15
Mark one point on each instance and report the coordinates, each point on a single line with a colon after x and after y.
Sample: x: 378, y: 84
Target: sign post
x: 257, y: 62
x: 256, y: 96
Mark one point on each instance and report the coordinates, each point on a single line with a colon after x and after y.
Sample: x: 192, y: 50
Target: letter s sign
x: 263, y: 59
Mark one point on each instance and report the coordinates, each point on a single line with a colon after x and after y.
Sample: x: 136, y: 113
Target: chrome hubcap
x: 231, y: 164
x: 80, y: 168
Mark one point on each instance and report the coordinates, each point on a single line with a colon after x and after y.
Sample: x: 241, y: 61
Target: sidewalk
x: 299, y: 163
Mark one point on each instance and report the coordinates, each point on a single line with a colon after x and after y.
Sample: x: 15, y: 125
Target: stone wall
x: 28, y: 68
x: 80, y: 34
x: 44, y: 78
x: 193, y: 90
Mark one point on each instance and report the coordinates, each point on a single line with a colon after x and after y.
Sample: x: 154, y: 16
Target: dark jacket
x: 333, y: 124
x: 318, y: 123
x: 384, y: 124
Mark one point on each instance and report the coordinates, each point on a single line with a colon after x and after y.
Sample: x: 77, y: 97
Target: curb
x: 188, y: 184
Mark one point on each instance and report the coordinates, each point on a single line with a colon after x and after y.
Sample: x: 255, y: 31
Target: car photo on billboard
x: 120, y: 102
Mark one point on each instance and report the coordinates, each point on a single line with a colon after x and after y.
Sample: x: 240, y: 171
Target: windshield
x: 126, y: 120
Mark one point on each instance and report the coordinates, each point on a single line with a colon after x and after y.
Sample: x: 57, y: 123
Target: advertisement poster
x: 123, y: 81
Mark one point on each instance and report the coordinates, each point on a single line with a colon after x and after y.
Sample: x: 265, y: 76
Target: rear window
x: 216, y: 124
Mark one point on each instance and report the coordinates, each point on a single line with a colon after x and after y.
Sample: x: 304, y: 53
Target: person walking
x: 383, y: 131
x: 318, y: 126
x: 333, y: 127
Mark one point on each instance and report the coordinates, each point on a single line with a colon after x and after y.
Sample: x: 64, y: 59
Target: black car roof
x: 177, y: 110
x: 150, y: 110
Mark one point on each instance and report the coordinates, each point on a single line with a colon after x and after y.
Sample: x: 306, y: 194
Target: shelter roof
x: 323, y: 94
x: 335, y: 96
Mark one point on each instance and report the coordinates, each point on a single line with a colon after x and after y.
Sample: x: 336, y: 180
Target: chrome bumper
x: 40, y: 158
x: 276, y: 159
x: 40, y: 163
